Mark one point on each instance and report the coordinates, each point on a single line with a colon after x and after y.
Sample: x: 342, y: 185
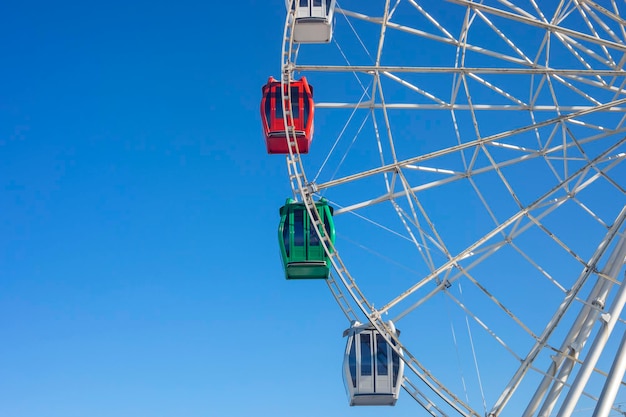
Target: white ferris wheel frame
x: 344, y: 287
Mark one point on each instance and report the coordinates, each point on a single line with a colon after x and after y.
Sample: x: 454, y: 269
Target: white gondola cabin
x: 313, y: 20
x: 372, y: 369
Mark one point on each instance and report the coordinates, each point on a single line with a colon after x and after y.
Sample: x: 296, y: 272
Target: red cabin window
x: 299, y: 131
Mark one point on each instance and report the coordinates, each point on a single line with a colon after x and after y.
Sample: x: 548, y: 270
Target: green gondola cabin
x: 301, y: 249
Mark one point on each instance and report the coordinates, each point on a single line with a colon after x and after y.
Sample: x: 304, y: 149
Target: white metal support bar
x: 608, y: 321
x: 613, y: 382
x: 581, y: 329
x: 543, y: 340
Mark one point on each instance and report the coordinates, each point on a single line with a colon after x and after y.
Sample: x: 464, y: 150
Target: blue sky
x: 138, y: 260
x: 139, y: 268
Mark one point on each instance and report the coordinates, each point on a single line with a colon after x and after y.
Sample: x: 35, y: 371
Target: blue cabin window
x: 381, y: 355
x: 268, y: 111
x: 326, y: 226
x: 314, y: 240
x: 352, y: 362
x: 286, y: 235
x: 295, y: 102
x: 317, y: 3
x: 278, y: 99
x: 298, y: 226
x: 395, y: 360
x: 366, y: 355
x: 305, y: 105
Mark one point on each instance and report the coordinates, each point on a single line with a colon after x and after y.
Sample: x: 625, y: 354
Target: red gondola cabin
x: 276, y: 137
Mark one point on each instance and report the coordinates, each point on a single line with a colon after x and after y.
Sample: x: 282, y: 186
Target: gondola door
x: 295, y: 239
x: 277, y: 124
x: 302, y: 250
x: 374, y: 373
x: 382, y: 366
x: 365, y: 372
x: 314, y: 245
x: 372, y: 369
x: 274, y: 106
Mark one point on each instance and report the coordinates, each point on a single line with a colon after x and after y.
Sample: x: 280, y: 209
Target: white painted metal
x: 613, y: 382
x: 565, y: 130
x: 607, y: 321
x: 578, y: 333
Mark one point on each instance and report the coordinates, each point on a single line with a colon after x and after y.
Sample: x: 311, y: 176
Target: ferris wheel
x: 471, y: 157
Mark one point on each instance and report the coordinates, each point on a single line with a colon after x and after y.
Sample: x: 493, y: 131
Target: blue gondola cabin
x: 301, y: 250
x: 299, y: 128
x: 313, y: 20
x: 372, y: 369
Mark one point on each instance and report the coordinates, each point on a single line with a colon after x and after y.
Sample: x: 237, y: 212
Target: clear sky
x: 139, y: 273
x: 139, y: 268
